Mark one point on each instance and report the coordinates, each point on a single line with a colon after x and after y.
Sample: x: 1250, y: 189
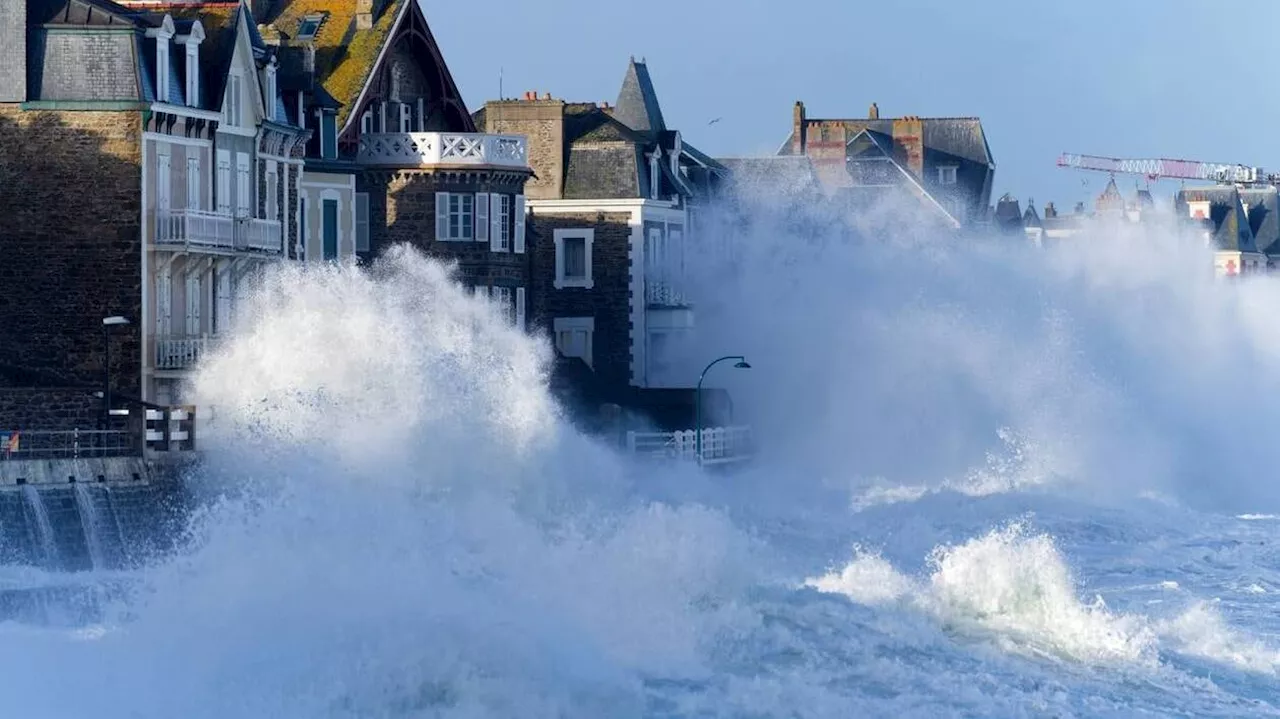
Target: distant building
x: 614, y: 204
x: 945, y: 164
x: 1220, y: 214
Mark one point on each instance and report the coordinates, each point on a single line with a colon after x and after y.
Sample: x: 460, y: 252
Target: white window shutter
x: 164, y: 297
x: 520, y: 321
x: 224, y: 300
x: 495, y: 223
x: 482, y: 217
x: 442, y: 216
x: 519, y: 212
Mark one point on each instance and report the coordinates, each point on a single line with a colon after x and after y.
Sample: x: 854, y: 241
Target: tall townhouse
x: 394, y: 155
x: 614, y: 207
x: 150, y: 167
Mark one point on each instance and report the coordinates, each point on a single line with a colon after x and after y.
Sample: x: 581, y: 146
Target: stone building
x: 943, y: 163
x: 614, y: 204
x: 1223, y: 215
x: 394, y: 154
x: 196, y: 165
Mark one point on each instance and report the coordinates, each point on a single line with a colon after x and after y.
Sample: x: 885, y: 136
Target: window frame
x: 562, y: 281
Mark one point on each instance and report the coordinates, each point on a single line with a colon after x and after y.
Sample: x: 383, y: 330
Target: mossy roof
x: 345, y: 58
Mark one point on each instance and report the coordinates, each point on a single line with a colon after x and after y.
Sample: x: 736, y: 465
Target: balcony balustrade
x: 417, y: 149
x: 181, y: 352
x: 205, y: 230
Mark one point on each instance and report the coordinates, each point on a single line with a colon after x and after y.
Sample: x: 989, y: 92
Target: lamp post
x: 697, y: 397
x: 107, y: 324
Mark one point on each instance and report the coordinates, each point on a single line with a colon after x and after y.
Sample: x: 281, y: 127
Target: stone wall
x: 71, y: 248
x: 609, y: 301
x: 542, y: 123
x: 44, y: 408
x: 402, y: 208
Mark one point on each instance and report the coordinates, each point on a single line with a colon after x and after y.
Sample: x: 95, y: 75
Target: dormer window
x: 309, y: 26
x: 947, y: 175
x: 162, y: 69
x: 655, y: 173
x: 193, y: 74
x: 270, y: 89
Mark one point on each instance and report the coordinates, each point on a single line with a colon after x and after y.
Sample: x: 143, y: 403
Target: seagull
x: 718, y: 119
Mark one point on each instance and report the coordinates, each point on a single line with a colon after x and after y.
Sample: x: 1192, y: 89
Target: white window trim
x: 231, y: 105
x: 194, y: 191
x: 561, y: 282
x: 162, y: 69
x: 569, y: 324
x: 223, y: 170
x: 193, y: 74
x: 269, y: 91
x: 343, y: 240
x: 443, y: 201
x: 948, y: 174
x: 244, y: 186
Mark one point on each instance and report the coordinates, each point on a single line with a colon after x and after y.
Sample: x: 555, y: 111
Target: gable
x: 352, y: 64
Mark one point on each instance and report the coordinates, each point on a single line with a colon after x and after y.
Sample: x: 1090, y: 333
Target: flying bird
x: 718, y: 119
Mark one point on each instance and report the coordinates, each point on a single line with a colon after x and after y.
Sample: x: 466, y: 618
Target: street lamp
x: 697, y: 396
x: 107, y: 324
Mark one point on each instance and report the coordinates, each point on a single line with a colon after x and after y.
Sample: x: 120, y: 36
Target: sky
x: 1185, y: 79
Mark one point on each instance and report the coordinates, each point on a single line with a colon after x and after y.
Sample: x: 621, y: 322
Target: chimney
x: 543, y: 125
x: 364, y: 14
x: 309, y: 58
x: 908, y: 137
x: 1079, y: 208
x: 13, y: 35
x: 546, y: 96
x: 1050, y: 210
x: 874, y: 114
x: 798, y: 129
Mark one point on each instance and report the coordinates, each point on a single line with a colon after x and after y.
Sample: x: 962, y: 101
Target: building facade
x: 394, y: 155
x: 614, y: 206
x: 944, y: 164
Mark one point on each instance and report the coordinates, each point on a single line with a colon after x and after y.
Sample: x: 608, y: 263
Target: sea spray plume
x: 414, y: 532
x: 896, y: 350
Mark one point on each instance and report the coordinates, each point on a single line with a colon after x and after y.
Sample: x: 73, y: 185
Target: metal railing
x: 720, y: 445
x: 68, y: 444
x: 412, y: 149
x: 664, y: 293
x: 181, y: 352
x: 217, y: 231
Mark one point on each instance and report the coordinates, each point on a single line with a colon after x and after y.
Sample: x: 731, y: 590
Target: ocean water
x: 994, y: 482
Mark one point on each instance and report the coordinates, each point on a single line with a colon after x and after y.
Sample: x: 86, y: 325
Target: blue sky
x: 1134, y: 78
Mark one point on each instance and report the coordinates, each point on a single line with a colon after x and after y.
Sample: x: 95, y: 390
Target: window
x: 955, y: 208
x: 193, y: 181
x: 162, y: 69
x: 329, y: 218
x: 406, y: 118
x: 502, y: 297
x: 164, y: 301
x: 500, y: 232
x: 520, y: 310
x: 455, y: 216
x: 308, y: 27
x: 328, y: 136
x: 366, y: 122
x: 222, y: 304
x: 362, y: 222
x: 193, y: 304
x: 224, y: 182
x: 655, y: 172
x: 164, y: 182
x: 947, y: 175
x: 269, y: 99
x: 273, y: 202
x: 231, y: 105
x: 573, y: 258
x: 244, y: 187
x: 193, y: 74
x: 573, y: 337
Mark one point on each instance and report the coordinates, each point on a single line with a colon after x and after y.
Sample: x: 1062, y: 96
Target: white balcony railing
x: 414, y: 149
x: 196, y: 229
x: 181, y: 352
x: 720, y: 445
x: 260, y: 235
x: 664, y: 293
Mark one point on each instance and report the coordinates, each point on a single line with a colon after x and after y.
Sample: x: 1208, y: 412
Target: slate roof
x: 788, y: 174
x: 1230, y: 229
x: 637, y: 105
x: 216, y: 52
x: 1263, y: 206
x: 98, y: 13
x: 959, y: 136
x: 56, y: 69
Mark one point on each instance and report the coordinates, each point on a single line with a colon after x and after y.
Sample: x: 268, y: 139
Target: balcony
x: 204, y: 230
x: 416, y: 149
x: 664, y: 293
x: 181, y: 353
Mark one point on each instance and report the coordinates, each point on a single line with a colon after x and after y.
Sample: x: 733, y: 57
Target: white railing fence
x: 171, y: 430
x: 411, y: 149
x: 181, y: 352
x: 202, y: 228
x: 720, y: 445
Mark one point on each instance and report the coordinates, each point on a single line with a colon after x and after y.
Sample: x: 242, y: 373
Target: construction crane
x: 1172, y: 169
